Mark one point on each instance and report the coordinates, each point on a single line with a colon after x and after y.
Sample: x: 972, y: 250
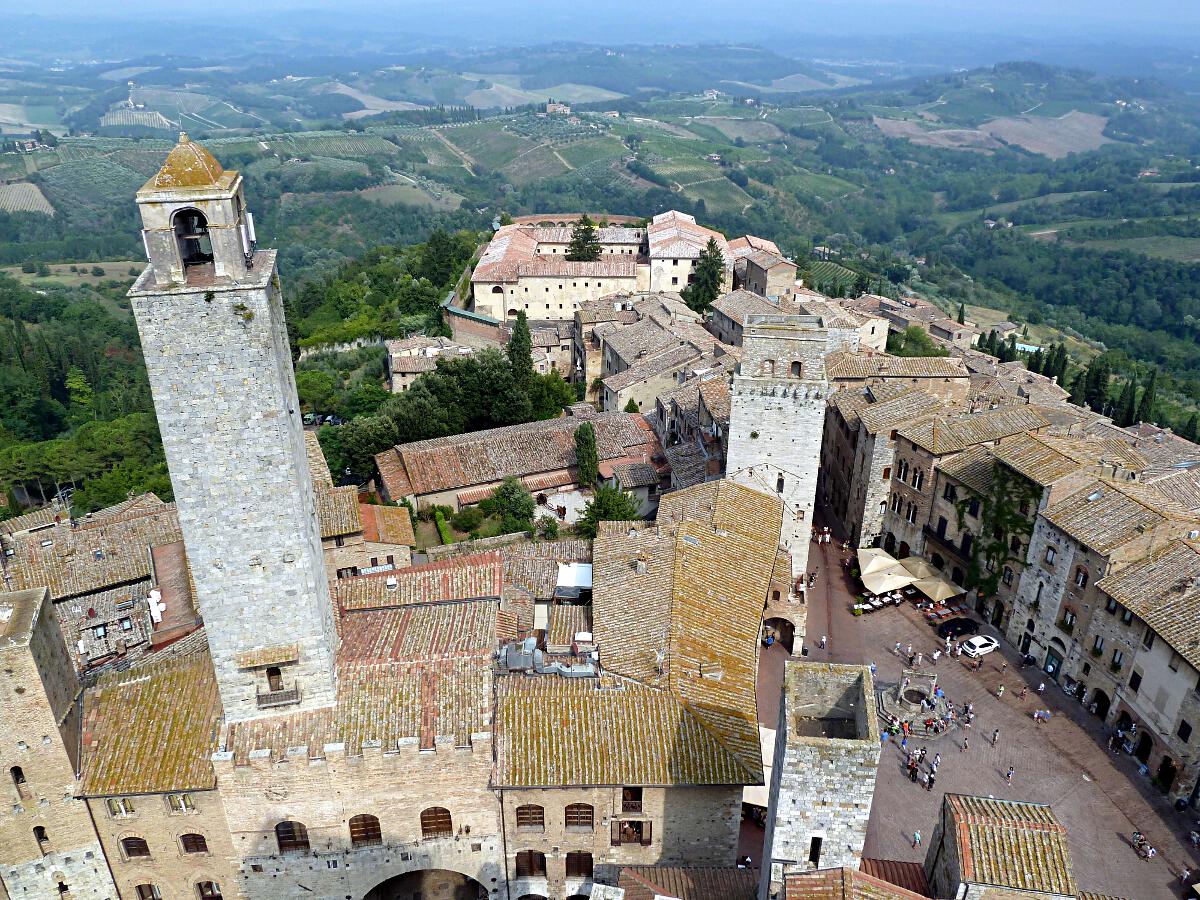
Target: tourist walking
x: 964, y: 746
x: 937, y: 760
x: 872, y: 668
x: 1041, y: 687
x: 995, y: 736
x: 1000, y: 692
x: 929, y: 782
x: 1009, y: 776
x: 824, y: 641
x: 896, y: 649
x: 916, y: 839
x: 1024, y: 691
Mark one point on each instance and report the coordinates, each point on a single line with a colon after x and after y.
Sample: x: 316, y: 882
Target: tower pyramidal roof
x: 188, y: 165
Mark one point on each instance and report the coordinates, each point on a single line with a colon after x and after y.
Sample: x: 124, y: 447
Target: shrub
x: 444, y: 533
x: 547, y: 527
x: 467, y: 519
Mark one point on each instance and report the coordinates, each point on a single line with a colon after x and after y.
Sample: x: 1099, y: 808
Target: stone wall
x: 324, y: 793
x: 38, y: 685
x: 547, y: 298
x: 174, y: 872
x: 224, y: 392
x: 823, y: 775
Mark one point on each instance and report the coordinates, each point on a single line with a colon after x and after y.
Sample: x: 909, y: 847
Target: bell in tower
x: 194, y: 217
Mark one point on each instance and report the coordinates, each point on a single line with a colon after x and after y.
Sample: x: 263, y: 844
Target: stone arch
x: 411, y: 876
x: 1124, y: 721
x: 1100, y: 705
x: 785, y: 629
x: 496, y: 289
x: 1145, y: 744
x: 1167, y: 773
x: 190, y: 227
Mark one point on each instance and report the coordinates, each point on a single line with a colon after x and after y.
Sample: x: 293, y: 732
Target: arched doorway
x: 1144, y: 746
x: 997, y: 614
x: 191, y: 236
x: 429, y: 884
x: 903, y: 552
x: 1100, y: 704
x: 785, y: 632
x: 1167, y: 771
x: 889, y: 543
x: 1124, y: 721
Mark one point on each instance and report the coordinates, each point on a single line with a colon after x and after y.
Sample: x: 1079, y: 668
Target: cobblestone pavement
x: 1097, y: 795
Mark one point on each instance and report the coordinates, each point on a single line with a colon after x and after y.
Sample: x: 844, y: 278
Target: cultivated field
x: 751, y: 130
x: 22, y: 196
x: 1164, y: 246
x: 581, y: 153
x: 411, y: 195
x: 827, y: 274
x: 944, y: 138
x: 1076, y: 132
x: 95, y: 183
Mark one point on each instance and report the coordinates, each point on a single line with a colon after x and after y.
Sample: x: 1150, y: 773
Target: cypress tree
x: 520, y: 353
x: 706, y: 284
x: 585, y: 245
x: 587, y: 458
x: 962, y: 314
x: 1145, y: 409
x: 1127, y: 404
x: 1191, y: 430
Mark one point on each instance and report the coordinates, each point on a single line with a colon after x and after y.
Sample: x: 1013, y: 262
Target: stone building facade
x: 231, y: 428
x: 48, y: 846
x: 823, y: 775
x: 777, y: 409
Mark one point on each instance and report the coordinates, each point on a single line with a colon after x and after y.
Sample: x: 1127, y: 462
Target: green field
x: 1163, y: 246
x: 489, y: 147
x: 534, y: 165
x: 402, y: 193
x: 580, y: 153
x: 827, y: 274
x: 817, y: 185
x: 96, y: 183
x: 719, y: 194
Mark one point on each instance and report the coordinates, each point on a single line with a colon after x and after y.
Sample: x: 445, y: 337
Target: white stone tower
x: 210, y: 314
x: 777, y: 417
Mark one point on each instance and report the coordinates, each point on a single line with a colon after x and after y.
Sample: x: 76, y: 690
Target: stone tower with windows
x: 210, y: 315
x: 777, y: 417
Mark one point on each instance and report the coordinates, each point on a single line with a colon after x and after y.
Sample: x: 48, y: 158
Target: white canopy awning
x: 890, y: 580
x: 872, y: 559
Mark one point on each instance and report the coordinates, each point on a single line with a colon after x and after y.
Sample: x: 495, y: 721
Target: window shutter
x: 646, y: 833
x: 616, y: 833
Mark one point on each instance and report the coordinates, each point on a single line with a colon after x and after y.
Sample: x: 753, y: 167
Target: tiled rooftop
x: 458, y: 578
x: 485, y: 457
x: 43, y: 516
x: 274, y: 655
x: 741, y: 303
x: 548, y: 728
x: 688, y: 464
x: 940, y: 436
x: 747, y: 244
x: 676, y: 234
x: 318, y: 467
x: 566, y: 621
x: 337, y: 511
x: 1164, y: 591
x: 911, y: 406
x: 843, y: 884
x: 715, y: 396
x: 1010, y: 844
x: 695, y: 883
x: 634, y: 475
x: 845, y: 365
x: 1041, y: 459
x: 973, y: 468
x: 513, y: 252
x: 1104, y: 515
x: 660, y: 363
x: 386, y: 524
x: 151, y: 728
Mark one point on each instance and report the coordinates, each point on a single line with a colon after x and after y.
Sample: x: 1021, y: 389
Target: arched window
x: 43, y: 840
x: 531, y: 816
x: 191, y: 235
x: 579, y: 864
x: 292, y: 837
x: 1029, y: 624
x: 18, y: 779
x: 580, y: 816
x: 796, y: 368
x: 274, y: 679
x: 365, y: 831
x: 496, y: 289
x: 208, y: 890
x: 512, y: 313
x: 1081, y: 577
x: 436, y: 822
x: 135, y: 848
x: 768, y: 368
x: 193, y: 843
x: 937, y: 562
x: 531, y: 864
x: 147, y: 892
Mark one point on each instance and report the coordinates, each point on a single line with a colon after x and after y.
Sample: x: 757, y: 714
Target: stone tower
x: 823, y: 774
x: 777, y: 417
x: 210, y: 314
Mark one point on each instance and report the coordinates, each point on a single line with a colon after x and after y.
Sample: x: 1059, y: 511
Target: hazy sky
x: 666, y: 21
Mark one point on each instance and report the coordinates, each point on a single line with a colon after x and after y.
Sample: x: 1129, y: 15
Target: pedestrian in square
x: 937, y: 760
x: 896, y: 649
x: 930, y: 780
x: 995, y: 736
x: 916, y: 839
x: 920, y: 656
x: 1041, y: 687
x: 872, y: 668
x: 964, y: 746
x: 824, y: 641
x: 1009, y: 776
x: 1000, y: 692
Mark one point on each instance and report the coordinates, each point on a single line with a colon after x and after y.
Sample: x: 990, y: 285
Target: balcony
x: 631, y: 806
x: 282, y: 697
x: 1065, y: 626
x: 948, y: 545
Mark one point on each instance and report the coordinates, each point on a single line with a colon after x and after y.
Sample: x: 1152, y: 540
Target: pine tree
x: 1036, y: 361
x: 1126, y: 404
x: 1079, y: 388
x: 1145, y: 409
x: 1191, y: 430
x: 706, y: 283
x: 1096, y: 383
x: 962, y: 314
x: 587, y: 458
x: 520, y: 353
x: 585, y: 245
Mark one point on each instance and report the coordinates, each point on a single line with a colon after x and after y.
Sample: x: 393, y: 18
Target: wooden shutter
x: 646, y: 832
x: 616, y: 833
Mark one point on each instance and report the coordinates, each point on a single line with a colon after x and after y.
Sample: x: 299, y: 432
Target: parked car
x: 980, y: 646
x: 308, y: 418
x: 956, y: 628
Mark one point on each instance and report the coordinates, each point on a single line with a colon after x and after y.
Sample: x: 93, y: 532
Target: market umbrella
x: 937, y: 589
x: 891, y: 580
x: 918, y: 567
x: 872, y: 559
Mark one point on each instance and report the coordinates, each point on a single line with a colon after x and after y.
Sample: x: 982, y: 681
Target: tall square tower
x: 210, y: 315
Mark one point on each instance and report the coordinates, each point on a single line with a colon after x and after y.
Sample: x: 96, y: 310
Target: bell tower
x: 210, y: 315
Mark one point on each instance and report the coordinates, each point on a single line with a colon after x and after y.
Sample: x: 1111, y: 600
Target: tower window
x: 43, y: 840
x: 795, y: 369
x: 18, y: 778
x: 292, y: 837
x: 436, y: 822
x: 191, y: 236
x: 194, y: 843
x: 365, y: 831
x: 135, y: 848
x: 148, y: 892
x: 208, y: 890
x: 274, y: 679
x: 814, y: 851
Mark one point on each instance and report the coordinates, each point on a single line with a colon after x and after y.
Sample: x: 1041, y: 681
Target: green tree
x: 962, y: 314
x: 317, y: 390
x: 520, y: 353
x: 707, y: 278
x: 81, y: 397
x: 360, y: 440
x: 585, y: 244
x: 1145, y: 409
x: 587, y: 457
x: 608, y: 505
x: 513, y: 503
x: 505, y: 219
x: 1099, y: 373
x: 632, y: 407
x: 549, y: 395
x: 1123, y: 415
x: 914, y: 341
x: 1191, y: 429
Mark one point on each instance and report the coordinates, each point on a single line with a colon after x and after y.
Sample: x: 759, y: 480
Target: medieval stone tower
x: 777, y: 417
x: 210, y: 314
x: 823, y: 773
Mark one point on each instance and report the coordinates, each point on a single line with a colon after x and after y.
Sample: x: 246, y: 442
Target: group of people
x: 1143, y: 847
x: 822, y: 535
x: 918, y: 773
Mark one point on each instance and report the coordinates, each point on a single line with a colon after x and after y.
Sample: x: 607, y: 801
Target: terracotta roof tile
x: 566, y: 621
x: 697, y: 883
x: 458, y: 578
x: 386, y: 524
x: 844, y: 884
x: 973, y: 468
x: 845, y: 365
x: 940, y: 436
x: 318, y: 467
x: 1106, y: 514
x: 337, y: 511
x: 1010, y: 844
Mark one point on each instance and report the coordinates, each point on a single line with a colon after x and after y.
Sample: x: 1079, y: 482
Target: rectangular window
x: 339, y: 541
x: 1173, y: 665
x: 126, y: 624
x: 1127, y: 616
x: 1135, y: 681
x: 1098, y: 645
x: 973, y: 509
x: 887, y: 473
x: 631, y: 800
x: 1008, y: 575
x: 99, y: 632
x: 1111, y: 605
x: 1148, y: 637
x: 950, y: 493
x: 1050, y: 554
x: 1118, y: 659
x: 120, y: 807
x: 1185, y: 730
x: 180, y: 802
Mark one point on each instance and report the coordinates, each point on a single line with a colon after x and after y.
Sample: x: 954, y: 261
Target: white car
x: 979, y: 646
